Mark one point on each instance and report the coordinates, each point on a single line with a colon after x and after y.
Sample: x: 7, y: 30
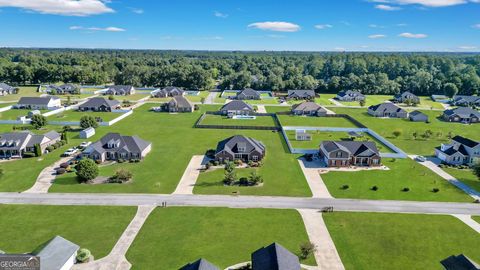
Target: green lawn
x: 13, y: 114
x: 24, y: 91
x: 97, y: 228
x: 226, y: 121
x: 174, y: 142
x: 466, y: 176
x: 319, y: 136
x: 313, y: 121
x: 406, y: 141
x: 476, y: 218
x: 133, y: 97
x: 403, y: 173
x: 76, y: 115
x: 425, y: 102
x: 176, y: 236
x: 399, y: 241
x: 220, y: 99
x: 202, y: 94
x: 263, y: 101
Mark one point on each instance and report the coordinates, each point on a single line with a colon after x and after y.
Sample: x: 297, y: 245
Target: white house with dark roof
x: 406, y: 97
x: 462, y: 114
x: 236, y: 107
x: 120, y: 90
x: 114, y: 146
x: 460, y: 151
x: 58, y: 254
x: 248, y: 93
x: 200, y: 264
x: 240, y: 147
x: 170, y: 91
x: 6, y: 89
x: 38, y: 103
x: 418, y: 116
x: 387, y: 109
x: 301, y: 94
x: 16, y: 144
x: 99, y: 104
x: 62, y: 89
x: 349, y: 153
x: 308, y: 108
x: 179, y: 104
x: 350, y: 95
x: 274, y: 257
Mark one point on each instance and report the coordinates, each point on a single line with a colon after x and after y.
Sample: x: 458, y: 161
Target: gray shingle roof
x: 129, y: 143
x: 4, y: 86
x: 56, y: 253
x: 386, y: 107
x: 120, y: 87
x: 248, y: 92
x: 352, y: 93
x: 274, y: 257
x: 463, y: 112
x: 469, y: 99
x: 99, y: 101
x: 356, y: 148
x: 307, y: 106
x: 200, y: 264
x: 35, y: 100
x: 465, y: 141
x: 236, y: 105
x: 231, y: 144
x: 301, y: 93
x: 459, y: 262
x: 180, y: 102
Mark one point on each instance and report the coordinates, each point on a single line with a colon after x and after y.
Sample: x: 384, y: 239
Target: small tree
x: 83, y: 255
x: 38, y: 121
x: 64, y: 137
x: 87, y: 121
x: 450, y: 89
x: 307, y: 249
x: 476, y: 170
x: 362, y: 103
x: 397, y: 133
x: 230, y: 177
x: 37, y: 150
x: 254, y: 178
x: 111, y: 97
x: 415, y: 135
x: 66, y: 128
x: 202, y: 100
x: 87, y: 170
x: 229, y: 166
x: 121, y: 176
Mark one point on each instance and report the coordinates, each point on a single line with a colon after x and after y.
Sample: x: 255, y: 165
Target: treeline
x: 370, y: 73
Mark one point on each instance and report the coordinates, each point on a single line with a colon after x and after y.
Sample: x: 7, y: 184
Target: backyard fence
x: 277, y: 126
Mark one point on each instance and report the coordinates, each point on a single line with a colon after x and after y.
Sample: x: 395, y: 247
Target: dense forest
x: 370, y: 73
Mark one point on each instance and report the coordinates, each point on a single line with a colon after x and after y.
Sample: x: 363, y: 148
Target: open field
x: 466, y: 176
x: 214, y: 234
x: 399, y: 241
x: 73, y: 116
x: 226, y: 121
x: 425, y: 102
x: 133, y: 98
x: 403, y: 173
x: 164, y: 165
x: 310, y: 121
x: 406, y: 141
x: 97, y: 228
x: 319, y: 136
x: 13, y: 114
x: 24, y: 91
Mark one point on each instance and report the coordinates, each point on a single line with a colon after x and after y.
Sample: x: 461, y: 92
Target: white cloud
x: 401, y: 24
x: 476, y: 26
x: 376, y: 26
x: 410, y: 35
x: 220, y: 14
x: 276, y: 36
x: 377, y: 36
x: 105, y: 29
x: 323, y: 26
x: 387, y: 7
x: 276, y: 26
x: 209, y: 38
x: 467, y: 48
x: 137, y: 10
x: 426, y: 3
x: 341, y: 49
x: 61, y: 7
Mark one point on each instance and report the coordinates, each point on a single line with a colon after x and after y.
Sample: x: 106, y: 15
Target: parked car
x: 69, y: 152
x: 84, y: 144
x: 421, y: 158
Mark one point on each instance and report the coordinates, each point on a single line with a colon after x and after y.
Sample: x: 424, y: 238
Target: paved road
x: 242, y: 202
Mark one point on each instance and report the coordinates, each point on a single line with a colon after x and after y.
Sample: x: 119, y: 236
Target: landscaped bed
x: 465, y: 176
x: 403, y: 173
x: 406, y: 141
x: 211, y: 119
x: 174, y: 142
x: 220, y: 235
x: 399, y: 241
x: 97, y: 228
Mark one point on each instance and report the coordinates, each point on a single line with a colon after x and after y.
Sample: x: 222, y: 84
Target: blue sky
x: 305, y: 25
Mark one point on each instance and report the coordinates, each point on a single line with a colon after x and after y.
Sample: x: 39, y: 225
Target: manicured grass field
x: 13, y: 114
x: 319, y: 136
x: 399, y: 241
x: 476, y: 218
x: 403, y: 173
x: 75, y: 97
x: 133, y: 98
x: 24, y: 91
x: 263, y: 101
x: 226, y: 121
x: 176, y: 236
x: 174, y: 142
x: 76, y: 115
x: 466, y: 176
x: 406, y: 141
x: 97, y: 228
x: 202, y: 94
x: 313, y: 121
x: 425, y: 102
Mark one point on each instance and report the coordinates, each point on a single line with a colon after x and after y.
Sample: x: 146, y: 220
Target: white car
x: 69, y: 152
x: 85, y: 144
x: 421, y: 158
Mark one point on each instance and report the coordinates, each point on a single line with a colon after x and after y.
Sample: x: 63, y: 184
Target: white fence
x: 6, y: 108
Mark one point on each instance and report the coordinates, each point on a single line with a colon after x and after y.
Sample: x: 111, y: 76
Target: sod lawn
x: 211, y: 119
x: 403, y: 173
x: 176, y: 236
x: 319, y: 136
x: 466, y: 176
x: 24, y: 91
x: 425, y: 102
x: 476, y: 218
x: 74, y: 116
x: 14, y: 114
x: 132, y: 98
x: 406, y: 141
x: 97, y: 228
x: 313, y: 121
x: 174, y: 142
x: 399, y: 241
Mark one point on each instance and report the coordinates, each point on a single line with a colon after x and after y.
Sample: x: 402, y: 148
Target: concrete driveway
x: 315, y: 182
x: 189, y: 177
x: 46, y: 177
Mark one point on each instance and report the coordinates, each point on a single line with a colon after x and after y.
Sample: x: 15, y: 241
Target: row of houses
x: 271, y: 257
x: 16, y: 144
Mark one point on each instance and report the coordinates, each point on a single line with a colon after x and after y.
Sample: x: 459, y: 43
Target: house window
x: 255, y: 158
x: 375, y: 161
x: 238, y: 156
x: 339, y: 154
